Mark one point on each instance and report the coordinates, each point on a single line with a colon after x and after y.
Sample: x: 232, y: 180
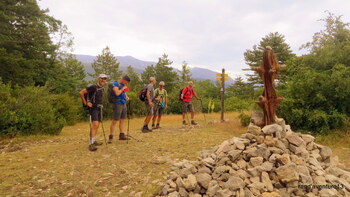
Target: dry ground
x: 62, y: 165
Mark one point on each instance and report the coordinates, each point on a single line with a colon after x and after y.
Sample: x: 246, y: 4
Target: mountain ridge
x: 139, y: 66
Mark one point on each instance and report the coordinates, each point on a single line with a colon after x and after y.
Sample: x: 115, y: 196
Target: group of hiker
x: 156, y: 101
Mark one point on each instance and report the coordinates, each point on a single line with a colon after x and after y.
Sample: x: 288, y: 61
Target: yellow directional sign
x: 220, y: 75
x: 219, y: 79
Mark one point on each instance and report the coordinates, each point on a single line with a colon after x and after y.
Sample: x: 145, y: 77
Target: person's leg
x: 148, y: 118
x: 184, y: 111
x: 112, y: 131
x: 192, y: 114
x: 117, y: 111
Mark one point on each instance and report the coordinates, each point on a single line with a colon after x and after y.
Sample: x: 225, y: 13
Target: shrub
x: 245, y: 119
x: 236, y: 104
x: 33, y: 110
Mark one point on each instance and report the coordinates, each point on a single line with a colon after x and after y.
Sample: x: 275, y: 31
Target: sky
x: 210, y: 34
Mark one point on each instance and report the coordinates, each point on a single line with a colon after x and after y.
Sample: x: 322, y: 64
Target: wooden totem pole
x: 269, y: 100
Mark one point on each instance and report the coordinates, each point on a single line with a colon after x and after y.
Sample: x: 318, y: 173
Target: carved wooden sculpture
x: 269, y: 100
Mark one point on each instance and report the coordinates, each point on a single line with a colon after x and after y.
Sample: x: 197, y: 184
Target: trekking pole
x: 90, y: 128
x: 103, y: 129
x: 128, y: 114
x: 205, y: 119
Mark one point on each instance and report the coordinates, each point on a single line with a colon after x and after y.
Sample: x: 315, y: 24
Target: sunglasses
x: 104, y: 78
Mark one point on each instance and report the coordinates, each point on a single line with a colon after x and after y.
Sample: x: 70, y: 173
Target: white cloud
x: 209, y: 33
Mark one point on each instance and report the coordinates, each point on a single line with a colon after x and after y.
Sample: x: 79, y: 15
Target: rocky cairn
x: 269, y: 162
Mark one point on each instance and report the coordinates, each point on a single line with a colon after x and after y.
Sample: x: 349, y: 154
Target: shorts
x: 119, y: 111
x: 149, y: 110
x: 187, y: 107
x: 95, y: 113
x: 158, y: 110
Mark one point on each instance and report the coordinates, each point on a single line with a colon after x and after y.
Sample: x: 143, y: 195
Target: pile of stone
x: 268, y: 162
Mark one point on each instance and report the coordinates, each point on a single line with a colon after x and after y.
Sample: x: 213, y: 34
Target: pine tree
x: 135, y: 83
x: 254, y: 57
x: 185, y: 73
x: 26, y: 50
x: 106, y: 63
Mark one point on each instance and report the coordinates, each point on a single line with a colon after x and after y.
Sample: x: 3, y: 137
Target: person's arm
x: 118, y: 91
x: 126, y: 97
x: 82, y: 93
x: 195, y: 95
x: 148, y: 94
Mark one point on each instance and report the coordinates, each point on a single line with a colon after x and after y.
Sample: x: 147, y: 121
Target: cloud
x: 207, y: 33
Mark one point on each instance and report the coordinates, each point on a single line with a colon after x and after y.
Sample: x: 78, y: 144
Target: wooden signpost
x: 222, y: 77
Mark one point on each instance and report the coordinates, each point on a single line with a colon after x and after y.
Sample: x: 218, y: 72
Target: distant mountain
x: 204, y: 74
x: 139, y: 66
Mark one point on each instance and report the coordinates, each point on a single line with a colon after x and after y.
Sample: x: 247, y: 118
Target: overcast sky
x: 205, y: 33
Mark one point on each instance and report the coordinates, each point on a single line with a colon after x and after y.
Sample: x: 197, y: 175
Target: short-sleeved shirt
x: 187, y: 94
x: 122, y: 97
x: 160, y: 94
x: 151, y: 92
x: 95, y: 98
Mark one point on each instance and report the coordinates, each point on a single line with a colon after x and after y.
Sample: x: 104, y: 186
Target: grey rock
x: 271, y: 129
x: 174, y: 194
x: 183, y: 192
x: 266, y: 180
x: 213, y: 188
x: 325, y: 152
x: 287, y: 173
x: 190, y: 183
x: 234, y: 183
x: 203, y: 179
x: 295, y: 139
x: 256, y: 161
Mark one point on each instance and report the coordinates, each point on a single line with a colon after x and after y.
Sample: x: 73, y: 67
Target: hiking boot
x: 92, y: 147
x: 97, y: 143
x: 158, y: 127
x: 193, y: 122
x: 145, y: 130
x: 122, y: 136
x: 184, y: 122
x: 153, y: 126
x: 110, y: 139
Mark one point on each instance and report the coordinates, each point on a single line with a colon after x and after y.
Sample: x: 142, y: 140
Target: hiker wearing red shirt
x: 186, y: 97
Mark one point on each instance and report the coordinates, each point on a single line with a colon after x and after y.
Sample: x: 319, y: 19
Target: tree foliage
x: 26, y: 50
x: 185, y: 73
x: 106, y: 63
x: 253, y: 57
x: 163, y: 72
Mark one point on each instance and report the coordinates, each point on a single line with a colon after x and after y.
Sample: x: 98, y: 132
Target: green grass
x: 63, y: 166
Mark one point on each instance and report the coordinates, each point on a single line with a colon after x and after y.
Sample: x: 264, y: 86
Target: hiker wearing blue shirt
x: 119, y: 107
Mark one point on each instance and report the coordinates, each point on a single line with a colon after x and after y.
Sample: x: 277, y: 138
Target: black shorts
x: 119, y: 111
x: 95, y: 114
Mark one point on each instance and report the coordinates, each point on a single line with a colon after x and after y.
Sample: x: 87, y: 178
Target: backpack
x: 87, y: 98
x: 181, y: 93
x: 111, y: 98
x: 142, y: 94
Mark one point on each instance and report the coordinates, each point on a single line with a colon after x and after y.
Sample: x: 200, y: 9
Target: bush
x: 245, y: 119
x: 236, y: 104
x: 33, y: 110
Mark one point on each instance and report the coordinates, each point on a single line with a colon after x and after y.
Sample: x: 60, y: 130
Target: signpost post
x: 223, y: 78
